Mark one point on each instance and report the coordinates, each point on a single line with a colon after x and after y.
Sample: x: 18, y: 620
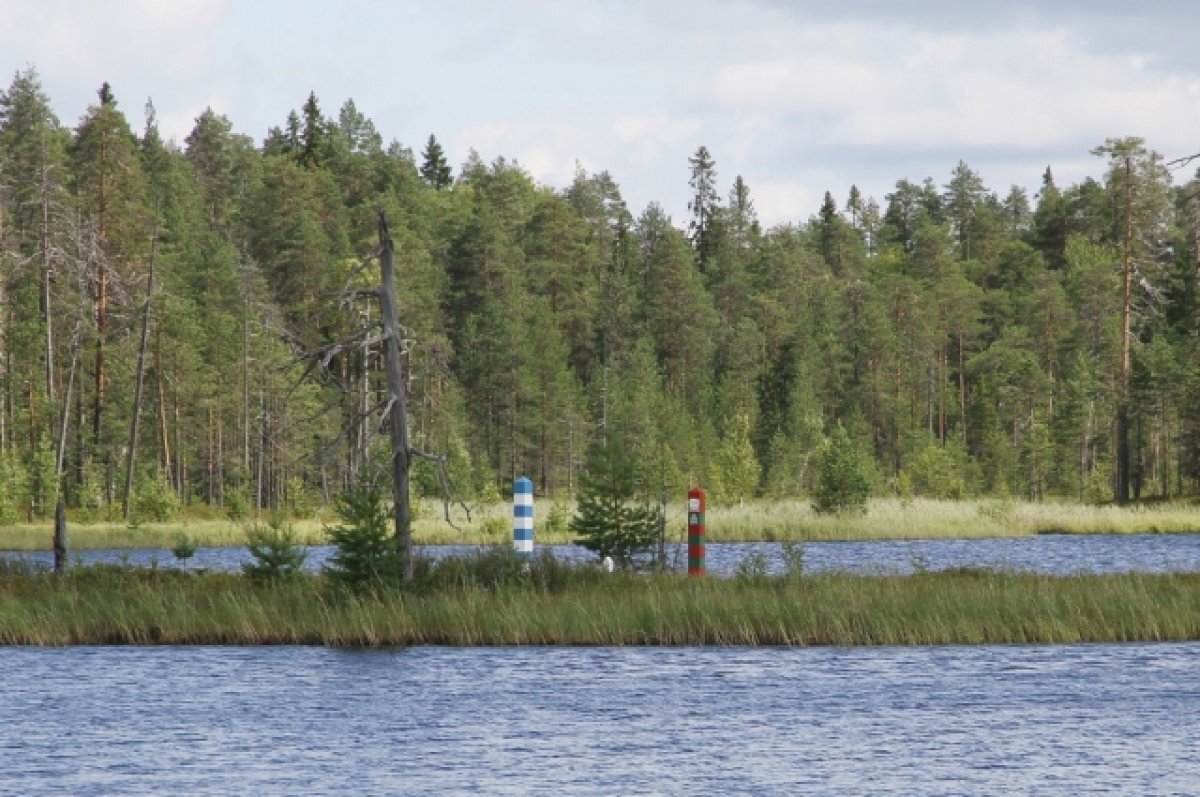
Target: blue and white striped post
x: 523, y: 516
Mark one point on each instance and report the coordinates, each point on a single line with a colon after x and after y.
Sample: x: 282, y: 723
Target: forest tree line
x: 157, y: 300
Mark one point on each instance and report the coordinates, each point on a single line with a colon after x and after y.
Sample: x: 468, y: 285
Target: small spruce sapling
x: 609, y: 520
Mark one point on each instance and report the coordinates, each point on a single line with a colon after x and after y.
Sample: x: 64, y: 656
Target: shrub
x: 842, y: 482
x: 155, y: 500
x: 937, y: 473
x: 302, y: 500
x: 13, y: 489
x: 557, y: 518
x: 237, y: 502
x: 496, y: 528
x: 793, y: 559
x: 752, y: 567
x: 185, y: 547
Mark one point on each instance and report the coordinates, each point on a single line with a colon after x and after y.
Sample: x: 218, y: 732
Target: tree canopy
x: 1039, y: 345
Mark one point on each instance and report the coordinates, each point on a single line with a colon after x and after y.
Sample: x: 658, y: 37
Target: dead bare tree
x: 392, y: 411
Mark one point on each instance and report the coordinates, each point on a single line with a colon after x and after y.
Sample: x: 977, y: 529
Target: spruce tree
x: 842, y: 484
x: 434, y: 169
x: 704, y: 206
x: 609, y: 520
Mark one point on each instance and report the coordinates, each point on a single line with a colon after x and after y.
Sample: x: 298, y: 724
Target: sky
x: 798, y: 97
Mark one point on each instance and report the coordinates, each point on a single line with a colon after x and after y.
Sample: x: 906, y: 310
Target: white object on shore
x: 607, y: 564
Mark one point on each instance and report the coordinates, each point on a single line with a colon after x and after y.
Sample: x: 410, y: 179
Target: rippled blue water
x: 1117, y: 719
x: 1051, y: 553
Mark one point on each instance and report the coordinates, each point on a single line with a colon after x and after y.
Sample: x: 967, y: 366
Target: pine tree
x: 112, y: 190
x: 1138, y: 184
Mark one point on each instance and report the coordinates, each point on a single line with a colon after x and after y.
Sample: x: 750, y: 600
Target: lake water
x: 1055, y: 720
x: 1050, y: 553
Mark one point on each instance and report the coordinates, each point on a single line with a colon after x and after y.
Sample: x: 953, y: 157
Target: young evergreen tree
x: 609, y: 520
x: 367, y: 552
x: 842, y: 483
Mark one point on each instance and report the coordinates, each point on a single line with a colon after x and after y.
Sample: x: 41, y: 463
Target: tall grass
x: 115, y: 606
x: 789, y: 519
x: 894, y: 518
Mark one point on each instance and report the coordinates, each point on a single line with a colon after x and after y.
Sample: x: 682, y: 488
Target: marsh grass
x: 553, y: 604
x: 894, y: 518
x: 753, y: 521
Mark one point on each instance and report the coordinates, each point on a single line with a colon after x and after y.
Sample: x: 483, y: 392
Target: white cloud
x: 782, y: 202
x: 144, y: 48
x: 796, y: 96
x: 547, y: 151
x: 906, y: 89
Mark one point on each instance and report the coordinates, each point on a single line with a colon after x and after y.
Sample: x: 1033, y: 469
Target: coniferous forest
x: 160, y: 301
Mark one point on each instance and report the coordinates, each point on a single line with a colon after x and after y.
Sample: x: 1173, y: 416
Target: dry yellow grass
x: 790, y: 519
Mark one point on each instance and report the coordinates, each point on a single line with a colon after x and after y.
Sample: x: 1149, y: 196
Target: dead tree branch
x: 447, y: 490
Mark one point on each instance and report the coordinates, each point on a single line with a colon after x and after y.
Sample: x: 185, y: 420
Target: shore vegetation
x: 496, y: 598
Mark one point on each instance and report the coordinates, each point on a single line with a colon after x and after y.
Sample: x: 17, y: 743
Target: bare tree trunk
x: 262, y: 452
x: 962, y: 390
x: 164, y: 450
x: 60, y: 537
x: 60, y: 508
x: 246, y: 385
x: 46, y: 308
x: 135, y: 422
x: 397, y: 414
x: 1121, y: 492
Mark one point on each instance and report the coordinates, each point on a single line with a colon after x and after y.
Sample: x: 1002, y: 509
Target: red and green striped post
x: 696, y: 532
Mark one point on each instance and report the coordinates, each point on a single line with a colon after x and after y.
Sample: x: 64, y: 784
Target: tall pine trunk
x: 135, y: 421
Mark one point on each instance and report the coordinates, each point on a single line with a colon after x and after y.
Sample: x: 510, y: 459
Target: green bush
x: 937, y: 473
x: 154, y: 500
x: 557, y: 518
x: 13, y: 489
x: 237, y: 503
x: 184, y: 548
x: 842, y: 482
x: 302, y: 500
x: 496, y: 528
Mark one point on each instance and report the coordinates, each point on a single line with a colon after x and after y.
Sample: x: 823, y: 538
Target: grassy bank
x: 116, y: 606
x: 792, y: 519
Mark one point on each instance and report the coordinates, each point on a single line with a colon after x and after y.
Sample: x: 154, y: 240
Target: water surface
x: 1050, y: 553
x: 1052, y: 720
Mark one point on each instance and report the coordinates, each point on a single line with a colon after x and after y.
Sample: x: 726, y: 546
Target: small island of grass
x: 493, y: 598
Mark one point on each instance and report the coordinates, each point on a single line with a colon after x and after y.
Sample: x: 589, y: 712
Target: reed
x: 111, y: 605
